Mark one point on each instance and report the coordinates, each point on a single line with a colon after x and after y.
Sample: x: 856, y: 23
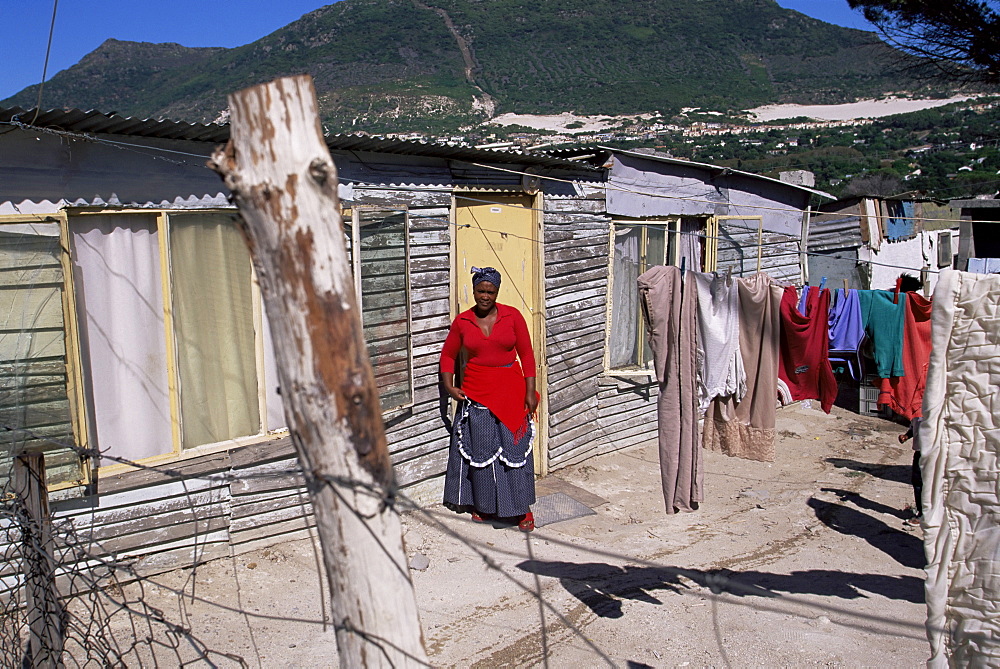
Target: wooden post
x: 760, y: 241
x: 283, y: 179
x: 804, y: 246
x: 43, y: 608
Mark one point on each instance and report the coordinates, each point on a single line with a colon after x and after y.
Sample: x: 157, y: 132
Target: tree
x: 876, y: 184
x: 960, y: 37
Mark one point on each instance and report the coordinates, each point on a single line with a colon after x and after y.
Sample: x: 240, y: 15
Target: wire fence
x: 72, y: 592
x: 112, y: 612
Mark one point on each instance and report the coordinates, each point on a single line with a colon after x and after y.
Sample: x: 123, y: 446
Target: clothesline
x: 347, y: 180
x: 699, y: 235
x: 738, y: 345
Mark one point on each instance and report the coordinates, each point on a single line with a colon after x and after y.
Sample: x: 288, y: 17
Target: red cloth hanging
x: 804, y: 363
x: 905, y: 394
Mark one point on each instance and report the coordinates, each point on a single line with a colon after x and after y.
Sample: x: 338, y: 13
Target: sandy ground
x: 842, y: 112
x: 804, y: 561
x: 558, y: 122
x: 851, y: 110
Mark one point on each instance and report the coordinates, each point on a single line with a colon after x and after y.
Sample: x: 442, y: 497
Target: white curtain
x: 690, y: 243
x: 120, y: 311
x: 623, y: 342
x: 214, y: 325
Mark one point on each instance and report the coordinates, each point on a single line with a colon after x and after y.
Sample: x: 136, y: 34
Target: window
x: 37, y: 386
x: 636, y: 246
x: 176, y: 353
x: 380, y: 256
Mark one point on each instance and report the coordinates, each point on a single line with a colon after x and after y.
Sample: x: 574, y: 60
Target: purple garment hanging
x: 804, y: 299
x: 847, y: 328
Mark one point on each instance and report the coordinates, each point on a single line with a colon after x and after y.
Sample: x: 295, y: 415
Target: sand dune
x: 850, y: 110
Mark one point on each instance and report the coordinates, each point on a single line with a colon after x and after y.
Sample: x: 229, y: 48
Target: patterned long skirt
x: 487, y: 469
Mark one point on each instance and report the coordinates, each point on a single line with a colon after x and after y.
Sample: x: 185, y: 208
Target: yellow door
x: 503, y: 231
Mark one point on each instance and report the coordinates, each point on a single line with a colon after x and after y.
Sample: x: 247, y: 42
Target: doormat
x: 558, y: 507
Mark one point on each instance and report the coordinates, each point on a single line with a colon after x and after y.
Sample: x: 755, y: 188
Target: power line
x: 607, y: 186
x: 45, y: 68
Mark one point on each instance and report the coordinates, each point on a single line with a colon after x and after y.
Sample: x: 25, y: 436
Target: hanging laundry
x: 670, y: 307
x: 884, y: 326
x: 804, y: 300
x: 804, y: 363
x: 847, y: 329
x: 720, y: 365
x: 905, y: 394
x: 871, y: 226
x: 745, y: 428
x: 960, y: 453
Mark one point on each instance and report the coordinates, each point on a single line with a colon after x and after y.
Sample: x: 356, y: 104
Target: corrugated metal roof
x: 838, y: 232
x: 975, y: 204
x: 717, y: 169
x: 101, y: 123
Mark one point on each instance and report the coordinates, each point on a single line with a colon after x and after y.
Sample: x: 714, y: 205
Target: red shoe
x: 527, y: 523
x: 480, y: 517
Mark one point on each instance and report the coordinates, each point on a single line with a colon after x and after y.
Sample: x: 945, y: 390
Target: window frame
x: 354, y: 214
x: 75, y: 389
x: 177, y: 452
x: 672, y: 225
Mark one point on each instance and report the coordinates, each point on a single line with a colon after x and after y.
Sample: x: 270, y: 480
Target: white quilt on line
x: 960, y: 440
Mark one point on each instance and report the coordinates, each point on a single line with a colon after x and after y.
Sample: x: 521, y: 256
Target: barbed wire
x: 102, y: 584
x: 108, y: 618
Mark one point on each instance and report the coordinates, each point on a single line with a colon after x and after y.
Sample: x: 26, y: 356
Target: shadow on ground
x: 896, y: 473
x: 903, y: 547
x: 602, y: 587
x: 863, y: 502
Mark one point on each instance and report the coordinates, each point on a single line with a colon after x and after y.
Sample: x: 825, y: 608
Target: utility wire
x: 45, y: 68
x: 345, y: 180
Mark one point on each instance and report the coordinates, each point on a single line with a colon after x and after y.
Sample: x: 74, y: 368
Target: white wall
x: 910, y: 256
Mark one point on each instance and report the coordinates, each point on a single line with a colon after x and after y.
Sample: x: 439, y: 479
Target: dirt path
x: 468, y: 56
x: 801, y: 561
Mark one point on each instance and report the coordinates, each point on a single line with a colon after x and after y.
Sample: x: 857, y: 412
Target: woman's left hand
x: 530, y: 396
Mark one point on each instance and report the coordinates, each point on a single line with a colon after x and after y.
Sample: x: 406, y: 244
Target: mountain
x: 437, y: 64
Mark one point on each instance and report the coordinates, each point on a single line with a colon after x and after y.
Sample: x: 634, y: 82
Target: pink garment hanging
x: 670, y: 311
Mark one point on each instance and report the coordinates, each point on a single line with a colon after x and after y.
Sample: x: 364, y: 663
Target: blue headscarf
x: 485, y: 274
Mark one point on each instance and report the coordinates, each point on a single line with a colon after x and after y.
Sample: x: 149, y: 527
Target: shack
x: 869, y: 241
x: 135, y: 349
x: 979, y: 241
x: 658, y: 211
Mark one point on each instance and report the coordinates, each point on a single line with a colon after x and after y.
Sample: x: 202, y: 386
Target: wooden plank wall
x: 417, y: 439
x: 589, y: 414
x: 250, y: 496
x: 738, y: 251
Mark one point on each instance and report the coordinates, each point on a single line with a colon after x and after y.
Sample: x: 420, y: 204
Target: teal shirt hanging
x: 883, y: 322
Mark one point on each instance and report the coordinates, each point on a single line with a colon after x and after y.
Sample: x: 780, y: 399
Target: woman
x: 490, y: 467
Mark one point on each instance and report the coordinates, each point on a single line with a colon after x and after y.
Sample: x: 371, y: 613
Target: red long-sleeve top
x: 508, y: 337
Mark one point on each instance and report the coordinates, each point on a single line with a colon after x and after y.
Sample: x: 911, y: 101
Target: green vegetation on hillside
x: 946, y: 152
x: 394, y: 65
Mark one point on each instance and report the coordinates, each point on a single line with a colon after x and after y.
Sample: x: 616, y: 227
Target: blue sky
x: 82, y: 25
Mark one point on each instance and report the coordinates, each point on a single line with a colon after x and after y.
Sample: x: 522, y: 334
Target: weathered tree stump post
x: 42, y: 606
x: 284, y: 181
